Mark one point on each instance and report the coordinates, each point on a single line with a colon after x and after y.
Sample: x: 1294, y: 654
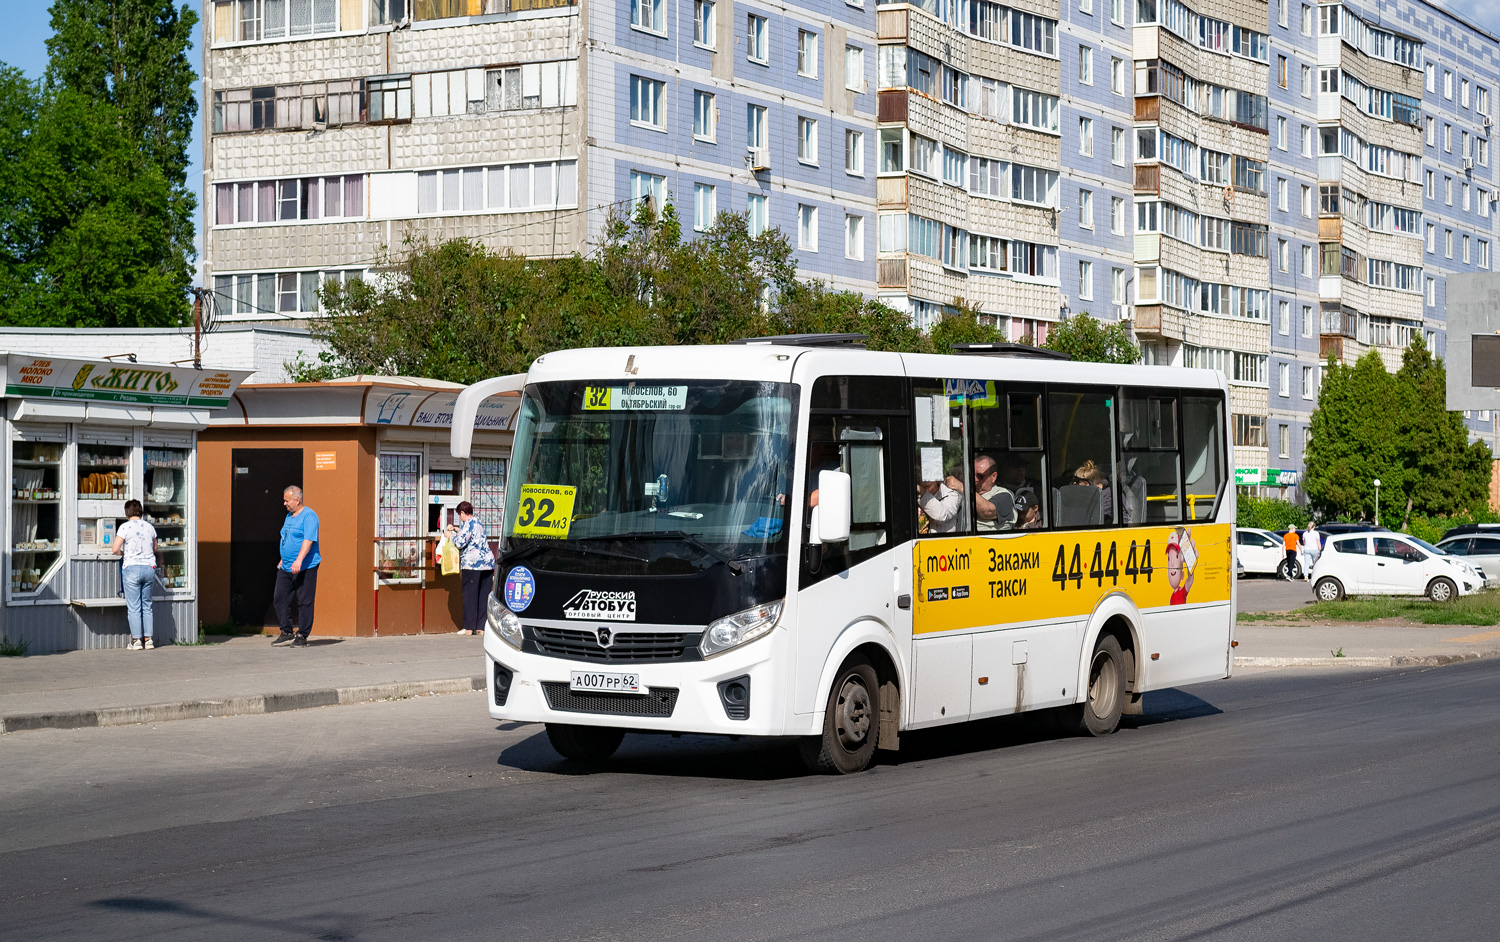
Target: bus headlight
x: 734, y: 630
x: 503, y: 622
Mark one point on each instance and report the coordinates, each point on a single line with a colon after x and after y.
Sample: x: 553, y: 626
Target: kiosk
x: 81, y: 437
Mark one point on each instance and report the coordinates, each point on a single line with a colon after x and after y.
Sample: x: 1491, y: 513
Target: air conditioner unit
x: 759, y: 159
x: 1123, y: 312
x: 1489, y: 122
x: 1468, y: 163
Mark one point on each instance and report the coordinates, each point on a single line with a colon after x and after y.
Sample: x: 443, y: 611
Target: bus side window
x: 1008, y: 460
x: 1150, y: 490
x: 1204, y: 472
x: 941, y: 478
x: 1081, y: 426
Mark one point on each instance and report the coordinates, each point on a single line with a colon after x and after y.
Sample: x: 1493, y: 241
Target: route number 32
x: 535, y: 513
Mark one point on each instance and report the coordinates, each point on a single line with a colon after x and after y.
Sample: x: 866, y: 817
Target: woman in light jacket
x: 476, y: 566
x: 136, y: 542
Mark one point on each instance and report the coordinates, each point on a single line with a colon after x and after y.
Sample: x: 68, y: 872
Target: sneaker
x: 135, y: 645
x: 283, y: 638
x: 150, y: 644
x: 300, y: 641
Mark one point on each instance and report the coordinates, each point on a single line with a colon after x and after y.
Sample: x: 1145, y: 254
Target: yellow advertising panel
x: 546, y: 510
x: 979, y: 581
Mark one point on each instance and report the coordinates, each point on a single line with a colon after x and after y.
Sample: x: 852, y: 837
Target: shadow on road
x: 334, y: 928
x: 756, y: 759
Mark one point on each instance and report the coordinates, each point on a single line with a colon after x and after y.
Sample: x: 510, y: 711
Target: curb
x: 1399, y: 660
x: 237, y: 706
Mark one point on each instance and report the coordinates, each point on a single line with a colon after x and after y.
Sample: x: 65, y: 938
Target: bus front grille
x: 659, y: 701
x: 626, y: 646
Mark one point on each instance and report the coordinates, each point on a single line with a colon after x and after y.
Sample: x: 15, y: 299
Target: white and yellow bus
x: 799, y: 537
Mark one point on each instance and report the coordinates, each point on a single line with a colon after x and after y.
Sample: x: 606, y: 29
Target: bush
x: 1269, y: 513
x: 1432, y: 528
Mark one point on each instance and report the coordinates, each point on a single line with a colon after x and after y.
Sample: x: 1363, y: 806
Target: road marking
x: 1474, y: 639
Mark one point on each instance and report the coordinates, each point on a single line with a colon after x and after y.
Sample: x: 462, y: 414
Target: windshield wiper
x: 680, y: 536
x: 532, y: 549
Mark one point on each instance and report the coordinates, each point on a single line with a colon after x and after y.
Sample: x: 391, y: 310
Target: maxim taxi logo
x: 83, y: 375
x: 948, y: 562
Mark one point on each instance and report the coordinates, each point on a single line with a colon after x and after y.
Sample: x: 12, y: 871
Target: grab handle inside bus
x: 830, y: 519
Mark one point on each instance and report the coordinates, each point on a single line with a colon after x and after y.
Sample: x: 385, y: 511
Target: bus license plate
x: 601, y: 682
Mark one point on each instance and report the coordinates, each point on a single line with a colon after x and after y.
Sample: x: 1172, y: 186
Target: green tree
x: 961, y: 324
x: 1441, y: 471
x: 1084, y: 337
x: 1353, y: 441
x: 98, y: 223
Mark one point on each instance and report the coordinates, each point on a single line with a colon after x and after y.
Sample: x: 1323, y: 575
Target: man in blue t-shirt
x: 297, y: 570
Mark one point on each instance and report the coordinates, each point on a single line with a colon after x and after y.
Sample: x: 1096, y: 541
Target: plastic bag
x: 448, y: 557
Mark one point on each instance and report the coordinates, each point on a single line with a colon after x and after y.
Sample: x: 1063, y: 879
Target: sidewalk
x: 231, y: 676
x: 250, y: 675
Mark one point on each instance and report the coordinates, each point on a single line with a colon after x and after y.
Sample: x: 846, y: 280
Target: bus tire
x: 1099, y: 713
x: 1442, y: 589
x: 1328, y: 589
x: 851, y: 722
x: 584, y: 743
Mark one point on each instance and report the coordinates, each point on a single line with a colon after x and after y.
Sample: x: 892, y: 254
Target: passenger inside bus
x: 941, y: 503
x: 994, y: 506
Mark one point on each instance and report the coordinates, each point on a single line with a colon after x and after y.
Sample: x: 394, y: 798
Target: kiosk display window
x: 399, y: 556
x: 103, y: 487
x: 165, y: 499
x: 36, y: 513
x: 487, y: 491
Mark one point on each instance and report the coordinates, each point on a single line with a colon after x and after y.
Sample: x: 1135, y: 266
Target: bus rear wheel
x: 1099, y: 713
x: 851, y: 722
x: 584, y: 743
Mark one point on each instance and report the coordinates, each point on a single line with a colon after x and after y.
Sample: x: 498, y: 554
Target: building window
x: 309, y: 198
x: 705, y: 23
x: 1463, y: 92
x: 650, y: 187
x: 1283, y: 435
x: 1306, y: 20
x: 807, y: 227
x: 1281, y: 194
x: 1484, y: 253
x: 1280, y: 70
x: 389, y: 99
x: 1284, y: 317
x: 1447, y: 138
x: 1086, y: 136
x: 1307, y: 139
x: 1306, y: 81
x: 1281, y: 132
x: 1117, y: 146
x: 705, y: 206
x: 1447, y: 243
x: 1086, y: 281
x: 854, y: 153
x: 1447, y: 85
x: 705, y: 116
x: 1283, y: 260
x: 1085, y: 65
x: 807, y: 141
x: 1307, y: 261
x: 1307, y: 382
x: 649, y: 15
x: 757, y: 208
x: 807, y: 53
x: 1117, y: 75
x: 755, y: 127
x: 645, y: 103
x: 854, y: 236
x: 1085, y: 209
x: 1307, y: 201
x: 757, y: 39
x: 253, y: 20
x: 1284, y: 382
x: 854, y: 68
x: 1250, y: 430
x: 1466, y: 249
x: 892, y: 150
x: 512, y: 187
x: 1117, y: 285
x: 1117, y: 215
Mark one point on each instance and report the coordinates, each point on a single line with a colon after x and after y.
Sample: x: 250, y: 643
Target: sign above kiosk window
x: 422, y: 408
x: 35, y: 377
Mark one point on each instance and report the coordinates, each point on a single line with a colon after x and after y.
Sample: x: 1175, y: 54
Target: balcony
x: 891, y: 272
x: 890, y: 24
x: 891, y: 191
x: 1148, y: 108
x: 1330, y: 228
x: 1148, y: 178
x: 891, y: 108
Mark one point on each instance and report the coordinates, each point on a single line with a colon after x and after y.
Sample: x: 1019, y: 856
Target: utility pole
x: 198, y: 328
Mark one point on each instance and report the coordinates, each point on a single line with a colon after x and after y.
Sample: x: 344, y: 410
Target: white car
x: 1390, y: 564
x: 1480, y: 550
x: 1260, y: 551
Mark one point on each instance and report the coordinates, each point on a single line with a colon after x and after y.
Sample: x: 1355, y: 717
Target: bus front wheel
x: 584, y: 743
x: 851, y: 722
x: 1099, y: 714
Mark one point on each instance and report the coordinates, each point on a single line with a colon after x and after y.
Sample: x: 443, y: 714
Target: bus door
x: 857, y: 424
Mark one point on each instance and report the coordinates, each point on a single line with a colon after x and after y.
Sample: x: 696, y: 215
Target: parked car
x: 1463, y: 528
x: 1329, y: 529
x: 1385, y: 563
x: 1259, y: 550
x: 1480, y: 549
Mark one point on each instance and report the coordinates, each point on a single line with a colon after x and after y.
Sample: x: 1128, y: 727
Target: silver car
x: 1480, y: 549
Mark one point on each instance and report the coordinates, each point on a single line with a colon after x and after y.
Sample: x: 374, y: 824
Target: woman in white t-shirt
x: 136, y: 541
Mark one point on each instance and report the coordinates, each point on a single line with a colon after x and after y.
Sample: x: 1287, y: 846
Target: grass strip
x: 1482, y: 608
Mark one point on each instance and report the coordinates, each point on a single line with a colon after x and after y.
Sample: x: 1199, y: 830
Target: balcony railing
x: 1147, y: 178
x: 890, y: 272
x: 892, y: 106
x: 1148, y: 108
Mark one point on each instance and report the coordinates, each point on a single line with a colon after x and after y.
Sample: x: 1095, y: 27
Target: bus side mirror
x: 830, y: 519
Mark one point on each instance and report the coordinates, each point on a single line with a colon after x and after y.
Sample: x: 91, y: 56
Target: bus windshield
x: 694, y: 469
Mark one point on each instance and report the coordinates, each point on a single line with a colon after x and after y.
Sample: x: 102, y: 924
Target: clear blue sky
x: 23, y: 45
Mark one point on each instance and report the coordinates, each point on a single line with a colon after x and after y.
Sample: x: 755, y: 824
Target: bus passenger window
x: 1008, y: 466
x: 1149, y: 488
x: 1203, y: 454
x: 855, y: 445
x: 940, y: 474
x: 1082, y: 432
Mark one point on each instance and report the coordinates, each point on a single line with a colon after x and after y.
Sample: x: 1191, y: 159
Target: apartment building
x: 1255, y: 186
x: 338, y: 129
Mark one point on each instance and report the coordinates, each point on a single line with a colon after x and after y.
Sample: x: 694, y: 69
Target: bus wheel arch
x: 866, y: 670
x: 1120, y: 621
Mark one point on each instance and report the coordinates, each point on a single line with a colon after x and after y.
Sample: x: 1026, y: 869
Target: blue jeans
x: 138, y: 581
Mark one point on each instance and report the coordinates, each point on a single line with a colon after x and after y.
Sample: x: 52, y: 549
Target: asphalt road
x: 1269, y: 594
x: 1290, y: 805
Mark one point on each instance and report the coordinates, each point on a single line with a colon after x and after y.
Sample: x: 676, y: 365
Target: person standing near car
x: 297, y: 571
x: 1289, y: 565
x: 476, y: 566
x: 1312, y: 548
